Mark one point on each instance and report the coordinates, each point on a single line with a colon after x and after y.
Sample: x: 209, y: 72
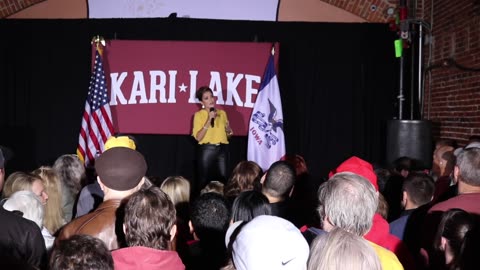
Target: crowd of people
x: 361, y: 217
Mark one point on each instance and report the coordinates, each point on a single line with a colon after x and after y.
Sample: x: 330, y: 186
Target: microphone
x: 212, y: 121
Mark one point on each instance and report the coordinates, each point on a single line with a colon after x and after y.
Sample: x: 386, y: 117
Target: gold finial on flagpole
x: 99, y: 40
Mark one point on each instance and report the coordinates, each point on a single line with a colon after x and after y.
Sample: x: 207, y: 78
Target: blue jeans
x: 211, y: 164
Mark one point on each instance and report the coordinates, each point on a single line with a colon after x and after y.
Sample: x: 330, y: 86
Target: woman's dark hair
x: 201, y: 91
x: 460, y: 229
x: 250, y: 204
x: 243, y: 178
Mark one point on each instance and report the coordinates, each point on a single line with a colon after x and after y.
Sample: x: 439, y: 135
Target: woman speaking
x: 211, y: 130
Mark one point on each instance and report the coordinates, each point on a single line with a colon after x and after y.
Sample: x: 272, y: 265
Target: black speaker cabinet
x: 410, y: 138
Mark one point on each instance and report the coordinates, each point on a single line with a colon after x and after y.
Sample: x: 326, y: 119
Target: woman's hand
x: 228, y: 129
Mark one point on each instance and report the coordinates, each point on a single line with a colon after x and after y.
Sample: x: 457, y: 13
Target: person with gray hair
x: 342, y: 250
x: 349, y: 201
x: 71, y: 172
x: 28, y: 205
x: 467, y: 175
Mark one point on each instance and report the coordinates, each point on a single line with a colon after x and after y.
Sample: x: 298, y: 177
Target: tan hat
x: 121, y: 168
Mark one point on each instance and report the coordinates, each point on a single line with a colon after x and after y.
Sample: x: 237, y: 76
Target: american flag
x: 97, y: 124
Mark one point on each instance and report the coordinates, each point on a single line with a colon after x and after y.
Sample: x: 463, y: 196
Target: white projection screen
x: 253, y: 10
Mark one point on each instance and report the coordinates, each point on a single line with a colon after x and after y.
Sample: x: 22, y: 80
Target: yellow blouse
x: 214, y: 135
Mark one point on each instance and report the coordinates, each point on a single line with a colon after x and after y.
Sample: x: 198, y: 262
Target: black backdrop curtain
x: 338, y: 84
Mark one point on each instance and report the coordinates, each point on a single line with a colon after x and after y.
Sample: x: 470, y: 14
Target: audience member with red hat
x: 380, y: 231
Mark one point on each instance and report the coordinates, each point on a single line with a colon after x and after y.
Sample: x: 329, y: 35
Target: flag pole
x: 97, y: 123
x: 99, y: 40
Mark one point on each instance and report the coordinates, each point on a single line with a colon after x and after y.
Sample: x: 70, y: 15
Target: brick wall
x: 372, y: 11
x: 454, y: 102
x: 9, y: 7
x: 455, y: 93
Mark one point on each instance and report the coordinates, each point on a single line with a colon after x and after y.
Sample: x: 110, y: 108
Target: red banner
x: 152, y: 84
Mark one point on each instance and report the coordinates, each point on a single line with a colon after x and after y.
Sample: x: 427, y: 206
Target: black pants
x: 211, y: 164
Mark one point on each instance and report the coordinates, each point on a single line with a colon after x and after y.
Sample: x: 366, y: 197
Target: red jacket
x: 144, y: 258
x: 380, y: 235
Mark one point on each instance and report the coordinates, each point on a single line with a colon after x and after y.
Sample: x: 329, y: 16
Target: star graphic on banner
x: 183, y: 88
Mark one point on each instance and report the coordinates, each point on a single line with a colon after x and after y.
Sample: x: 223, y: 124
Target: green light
x: 398, y: 48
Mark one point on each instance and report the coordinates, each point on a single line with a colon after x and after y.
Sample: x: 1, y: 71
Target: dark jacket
x: 21, y: 241
x: 105, y: 223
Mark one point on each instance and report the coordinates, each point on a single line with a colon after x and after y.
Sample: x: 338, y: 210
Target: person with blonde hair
x: 342, y: 250
x: 18, y: 181
x: 213, y: 186
x: 53, y: 219
x: 177, y: 188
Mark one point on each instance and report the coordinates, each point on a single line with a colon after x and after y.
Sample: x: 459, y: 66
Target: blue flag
x: 266, y: 141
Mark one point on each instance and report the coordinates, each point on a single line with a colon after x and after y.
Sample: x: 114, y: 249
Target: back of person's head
x: 53, y: 220
x: 468, y: 162
x: 298, y: 163
x: 280, y: 180
x: 28, y: 204
x: 348, y: 201
x: 177, y: 188
x: 443, y: 160
x: 121, y: 169
x: 402, y: 164
x: 455, y: 228
x: 18, y: 181
x: 2, y: 159
x: 213, y: 186
x: 357, y: 166
x: 243, y: 177
x: 267, y: 242
x: 474, y: 138
x: 446, y: 142
x: 250, y: 204
x: 383, y: 206
x: 2, y: 169
x: 210, y: 216
x: 6, y: 154
x: 419, y: 187
x: 341, y: 250
x: 149, y: 219
x: 382, y: 177
x: 81, y: 252
x: 71, y: 172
